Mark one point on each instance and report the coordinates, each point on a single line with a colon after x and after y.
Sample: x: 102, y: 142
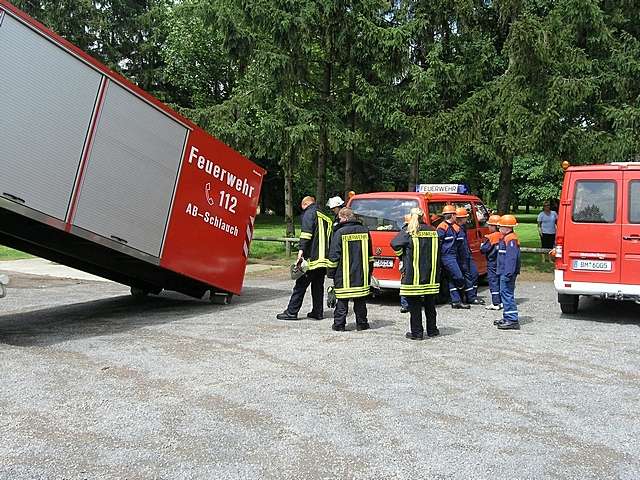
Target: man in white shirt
x: 547, y: 222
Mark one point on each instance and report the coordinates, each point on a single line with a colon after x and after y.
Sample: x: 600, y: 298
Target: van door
x: 473, y: 235
x: 593, y: 228
x: 630, y: 269
x: 482, y: 215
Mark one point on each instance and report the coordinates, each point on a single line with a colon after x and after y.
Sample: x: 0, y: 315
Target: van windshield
x: 382, y: 213
x: 435, y: 213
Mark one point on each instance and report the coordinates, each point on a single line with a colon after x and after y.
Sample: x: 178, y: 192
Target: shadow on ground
x: 111, y: 316
x: 606, y: 311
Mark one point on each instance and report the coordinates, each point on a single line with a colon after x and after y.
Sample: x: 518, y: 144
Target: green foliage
x: 495, y: 93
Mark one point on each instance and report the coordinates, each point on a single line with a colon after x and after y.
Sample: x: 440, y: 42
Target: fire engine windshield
x: 382, y: 213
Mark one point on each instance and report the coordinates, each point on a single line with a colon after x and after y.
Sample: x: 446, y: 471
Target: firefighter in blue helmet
x: 508, y: 269
x: 465, y: 260
x: 448, y: 232
x: 489, y: 247
x: 315, y: 235
x: 418, y: 246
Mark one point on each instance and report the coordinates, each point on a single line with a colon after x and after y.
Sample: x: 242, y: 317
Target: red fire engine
x: 99, y: 175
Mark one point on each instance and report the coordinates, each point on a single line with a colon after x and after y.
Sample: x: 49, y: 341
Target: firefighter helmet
x: 508, y: 221
x: 461, y: 212
x: 448, y: 209
x: 493, y: 220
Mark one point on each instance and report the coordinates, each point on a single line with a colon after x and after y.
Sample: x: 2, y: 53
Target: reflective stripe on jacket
x: 420, y: 260
x: 351, y: 256
x: 315, y: 236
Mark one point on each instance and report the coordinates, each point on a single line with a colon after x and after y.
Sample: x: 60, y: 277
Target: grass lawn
x: 528, y: 236
x: 269, y: 227
x: 7, y: 253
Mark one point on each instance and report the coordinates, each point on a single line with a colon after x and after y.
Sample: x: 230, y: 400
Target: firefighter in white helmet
x: 335, y: 204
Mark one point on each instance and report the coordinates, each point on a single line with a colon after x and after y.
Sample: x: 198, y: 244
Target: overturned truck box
x: 99, y: 175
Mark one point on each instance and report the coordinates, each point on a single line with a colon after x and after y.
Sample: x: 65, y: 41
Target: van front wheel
x: 568, y: 303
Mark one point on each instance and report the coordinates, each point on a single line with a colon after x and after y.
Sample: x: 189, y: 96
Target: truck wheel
x: 569, y: 303
x: 139, y: 293
x: 3, y: 291
x: 219, y: 298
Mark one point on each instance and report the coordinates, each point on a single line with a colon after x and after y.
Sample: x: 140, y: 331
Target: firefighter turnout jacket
x: 419, y: 254
x: 351, y: 258
x: 315, y: 236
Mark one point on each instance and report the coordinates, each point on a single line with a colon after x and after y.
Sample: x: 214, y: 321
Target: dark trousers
x: 315, y: 278
x: 342, y: 309
x: 416, y: 304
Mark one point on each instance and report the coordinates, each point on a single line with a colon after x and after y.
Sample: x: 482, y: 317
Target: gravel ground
x: 98, y: 386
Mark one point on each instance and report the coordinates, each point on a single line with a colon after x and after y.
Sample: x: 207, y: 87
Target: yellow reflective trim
x: 434, y: 261
x: 331, y: 264
x: 365, y: 261
x: 346, y: 281
x: 325, y: 226
x: 321, y: 240
x: 416, y: 260
x: 321, y: 263
x: 418, y: 290
x: 305, y: 236
x: 398, y: 253
x: 325, y: 217
x: 352, y: 293
x: 352, y: 289
x: 356, y: 236
x: 426, y: 234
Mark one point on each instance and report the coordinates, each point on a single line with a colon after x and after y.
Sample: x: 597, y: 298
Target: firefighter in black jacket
x: 315, y: 235
x: 351, y: 262
x: 418, y: 246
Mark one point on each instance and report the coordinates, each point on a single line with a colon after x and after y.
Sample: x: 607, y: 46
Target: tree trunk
x: 323, y: 151
x: 288, y: 195
x: 321, y: 173
x: 348, y: 159
x: 504, y: 194
x: 413, y: 175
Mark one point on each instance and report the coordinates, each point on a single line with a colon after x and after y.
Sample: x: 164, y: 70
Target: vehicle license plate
x: 595, y: 265
x: 383, y: 263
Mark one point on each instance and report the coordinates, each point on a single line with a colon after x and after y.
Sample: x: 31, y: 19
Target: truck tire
x: 568, y: 303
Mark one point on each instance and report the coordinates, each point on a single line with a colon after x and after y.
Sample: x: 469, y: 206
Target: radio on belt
x: 99, y: 175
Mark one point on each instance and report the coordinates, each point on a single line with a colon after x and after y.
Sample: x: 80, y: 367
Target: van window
x: 482, y: 213
x: 382, y: 213
x: 634, y: 201
x: 435, y: 212
x: 594, y: 201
